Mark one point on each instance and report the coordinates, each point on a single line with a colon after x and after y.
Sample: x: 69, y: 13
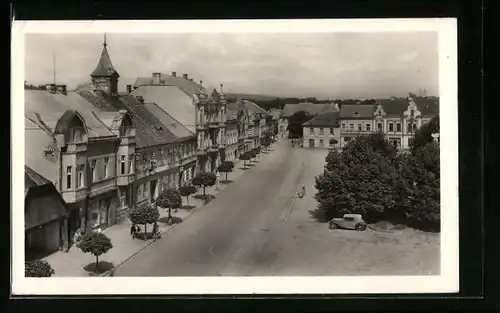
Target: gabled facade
x: 322, y: 131
x: 398, y: 119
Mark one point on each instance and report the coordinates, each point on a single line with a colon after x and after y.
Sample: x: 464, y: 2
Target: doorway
x: 311, y: 143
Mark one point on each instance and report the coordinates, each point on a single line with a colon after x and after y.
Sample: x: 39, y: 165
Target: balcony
x: 103, y: 186
x: 214, y: 147
x: 201, y: 127
x: 125, y: 180
x: 201, y: 152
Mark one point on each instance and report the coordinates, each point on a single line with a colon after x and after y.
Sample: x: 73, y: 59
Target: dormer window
x: 412, y: 112
x: 355, y: 114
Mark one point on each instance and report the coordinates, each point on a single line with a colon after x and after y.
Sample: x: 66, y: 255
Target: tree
x: 144, y: 215
x: 424, y: 134
x: 245, y: 157
x: 295, y: 123
x: 186, y: 191
x: 95, y: 244
x: 419, y: 192
x: 38, y: 268
x: 170, y: 199
x: 226, y: 167
x: 204, y: 179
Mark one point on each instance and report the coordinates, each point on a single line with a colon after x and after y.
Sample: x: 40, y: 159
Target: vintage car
x: 348, y: 221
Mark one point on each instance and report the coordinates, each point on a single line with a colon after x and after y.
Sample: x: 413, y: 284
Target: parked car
x: 348, y: 221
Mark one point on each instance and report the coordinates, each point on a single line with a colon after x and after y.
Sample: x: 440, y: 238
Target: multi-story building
x: 322, y: 131
x: 398, y: 118
x: 310, y: 108
x: 256, y: 122
x: 202, y: 113
x: 232, y: 133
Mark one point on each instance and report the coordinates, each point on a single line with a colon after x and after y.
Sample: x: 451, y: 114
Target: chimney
x: 140, y: 99
x: 51, y: 88
x: 62, y: 89
x: 156, y: 78
x: 129, y: 88
x: 185, y: 76
x: 174, y: 74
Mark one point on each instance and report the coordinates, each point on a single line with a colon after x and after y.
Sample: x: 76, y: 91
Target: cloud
x: 325, y: 65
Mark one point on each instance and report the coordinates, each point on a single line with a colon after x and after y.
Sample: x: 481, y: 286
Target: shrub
x: 38, y: 268
x: 95, y: 244
x: 186, y: 191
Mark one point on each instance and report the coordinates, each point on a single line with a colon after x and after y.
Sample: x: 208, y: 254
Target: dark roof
x: 149, y: 130
x: 429, y: 107
x: 33, y: 179
x: 104, y: 66
x: 356, y: 111
x: 327, y: 119
x: 179, y: 130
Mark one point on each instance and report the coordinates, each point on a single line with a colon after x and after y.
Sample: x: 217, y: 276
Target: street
x: 258, y: 227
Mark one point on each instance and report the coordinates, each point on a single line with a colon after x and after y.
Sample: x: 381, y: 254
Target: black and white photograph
x: 235, y: 156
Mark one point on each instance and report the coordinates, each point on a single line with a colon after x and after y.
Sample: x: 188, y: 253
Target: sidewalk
x: 71, y: 263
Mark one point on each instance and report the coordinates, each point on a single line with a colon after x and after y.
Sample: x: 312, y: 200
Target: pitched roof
x: 429, y: 107
x: 252, y: 107
x: 186, y: 85
x: 179, y: 130
x: 172, y: 100
x: 231, y: 111
x: 149, y: 130
x: 356, y: 111
x: 326, y: 119
x: 52, y: 106
x: 104, y: 66
x: 311, y: 108
x: 33, y: 179
x: 36, y: 142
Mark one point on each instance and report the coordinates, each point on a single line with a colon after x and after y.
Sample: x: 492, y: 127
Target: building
x: 258, y: 122
x: 202, y: 111
x: 398, y: 118
x: 45, y: 217
x: 232, y: 133
x: 308, y: 107
x: 322, y: 131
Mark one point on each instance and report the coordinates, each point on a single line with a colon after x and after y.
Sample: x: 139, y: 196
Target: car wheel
x: 332, y: 225
x: 360, y: 226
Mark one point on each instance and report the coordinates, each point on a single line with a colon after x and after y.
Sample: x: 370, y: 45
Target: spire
x: 104, y: 67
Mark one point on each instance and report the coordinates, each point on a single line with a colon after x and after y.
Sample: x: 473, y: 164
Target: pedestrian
x: 133, y: 231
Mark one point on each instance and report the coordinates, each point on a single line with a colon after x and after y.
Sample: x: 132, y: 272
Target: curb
x: 148, y: 243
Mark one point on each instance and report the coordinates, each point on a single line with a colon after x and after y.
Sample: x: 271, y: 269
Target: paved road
x: 244, y: 231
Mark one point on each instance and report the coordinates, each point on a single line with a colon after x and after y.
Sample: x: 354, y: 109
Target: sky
x: 321, y: 65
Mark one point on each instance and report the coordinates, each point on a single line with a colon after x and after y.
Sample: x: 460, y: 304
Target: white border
x: 448, y: 281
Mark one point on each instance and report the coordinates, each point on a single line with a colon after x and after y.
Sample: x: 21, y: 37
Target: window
x: 93, y: 164
x: 130, y: 164
x: 343, y: 125
x: 411, y: 127
x: 351, y: 126
x: 68, y: 177
x: 391, y: 127
x: 331, y: 131
x: 368, y: 126
x: 412, y: 112
x: 321, y: 143
x: 349, y: 219
x: 78, y: 134
x: 359, y: 127
x: 79, y: 176
x: 122, y: 164
x: 321, y: 131
x: 311, y: 130
x: 106, y: 161
x: 398, y: 127
x: 379, y: 126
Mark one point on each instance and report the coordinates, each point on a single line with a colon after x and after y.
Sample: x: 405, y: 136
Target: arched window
x: 126, y: 126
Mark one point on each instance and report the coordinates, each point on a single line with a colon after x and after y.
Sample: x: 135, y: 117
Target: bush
x: 423, y: 135
x: 144, y: 215
x: 38, y: 268
x: 95, y: 244
x: 205, y: 179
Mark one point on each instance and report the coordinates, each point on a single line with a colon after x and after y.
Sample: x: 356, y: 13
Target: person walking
x: 133, y: 231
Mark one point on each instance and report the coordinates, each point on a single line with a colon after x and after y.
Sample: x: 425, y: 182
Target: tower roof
x: 104, y: 67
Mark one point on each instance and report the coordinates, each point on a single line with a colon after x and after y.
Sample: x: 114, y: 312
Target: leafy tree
x: 295, y: 123
x: 205, y: 179
x: 419, y: 192
x: 38, y: 268
x: 424, y: 134
x: 186, y: 191
x: 144, y: 215
x: 226, y: 167
x: 95, y: 244
x: 170, y: 199
x: 245, y: 157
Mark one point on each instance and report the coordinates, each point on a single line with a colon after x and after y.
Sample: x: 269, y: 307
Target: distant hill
x: 249, y: 96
